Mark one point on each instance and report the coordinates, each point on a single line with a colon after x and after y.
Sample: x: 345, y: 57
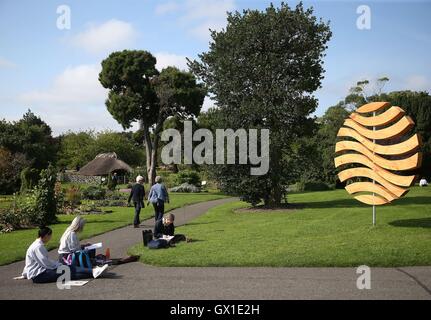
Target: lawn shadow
x: 342, y: 203
x: 412, y: 223
x: 198, y: 223
x: 353, y: 203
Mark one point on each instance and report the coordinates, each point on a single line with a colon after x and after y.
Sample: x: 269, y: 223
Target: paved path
x: 139, y: 281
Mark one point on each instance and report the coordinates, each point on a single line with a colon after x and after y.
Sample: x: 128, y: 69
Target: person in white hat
x: 138, y: 195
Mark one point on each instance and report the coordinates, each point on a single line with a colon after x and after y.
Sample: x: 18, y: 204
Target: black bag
x: 147, y: 236
x: 158, y: 244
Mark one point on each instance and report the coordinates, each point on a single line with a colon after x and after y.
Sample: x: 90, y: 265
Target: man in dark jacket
x: 137, y: 194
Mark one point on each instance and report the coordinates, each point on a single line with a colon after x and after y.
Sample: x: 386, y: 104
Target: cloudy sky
x: 53, y: 71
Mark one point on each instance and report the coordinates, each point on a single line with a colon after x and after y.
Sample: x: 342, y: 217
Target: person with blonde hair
x: 69, y: 242
x: 137, y: 194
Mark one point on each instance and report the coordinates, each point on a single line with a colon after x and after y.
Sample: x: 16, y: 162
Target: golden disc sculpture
x: 377, y: 148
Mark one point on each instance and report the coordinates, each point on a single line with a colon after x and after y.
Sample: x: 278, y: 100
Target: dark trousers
x: 51, y: 275
x: 138, y: 208
x: 159, y: 209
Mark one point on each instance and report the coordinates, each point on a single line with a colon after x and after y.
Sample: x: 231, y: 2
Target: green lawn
x: 14, y: 245
x: 331, y: 230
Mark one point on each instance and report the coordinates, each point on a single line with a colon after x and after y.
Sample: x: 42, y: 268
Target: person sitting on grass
x: 166, y: 227
x: 69, y: 242
x: 158, y: 196
x: 41, y: 269
x: 137, y: 194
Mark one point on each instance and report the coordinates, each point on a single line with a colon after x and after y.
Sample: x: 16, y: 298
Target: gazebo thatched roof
x: 104, y: 164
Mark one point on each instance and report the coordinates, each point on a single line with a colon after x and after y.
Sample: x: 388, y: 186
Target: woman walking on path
x: 158, y: 196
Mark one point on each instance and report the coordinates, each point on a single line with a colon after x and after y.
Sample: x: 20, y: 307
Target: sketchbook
x: 94, y: 246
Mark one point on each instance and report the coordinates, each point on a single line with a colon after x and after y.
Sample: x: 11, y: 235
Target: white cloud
x: 167, y: 7
x: 418, y: 82
x: 198, y: 16
x: 74, y: 86
x: 74, y: 101
x: 106, y: 37
x: 4, y: 63
x: 165, y: 59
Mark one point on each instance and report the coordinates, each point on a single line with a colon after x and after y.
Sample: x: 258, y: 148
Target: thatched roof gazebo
x: 103, y: 165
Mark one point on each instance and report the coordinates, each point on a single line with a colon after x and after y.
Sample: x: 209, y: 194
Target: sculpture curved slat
x: 350, y: 158
x: 370, y: 187
x: 391, y: 115
x: 373, y: 106
x: 389, y: 124
x: 394, y: 131
x: 372, y: 200
x: 398, y: 149
x: 368, y: 173
x: 409, y: 163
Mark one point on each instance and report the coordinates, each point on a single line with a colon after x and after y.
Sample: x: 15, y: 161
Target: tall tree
x: 262, y: 70
x: 139, y: 92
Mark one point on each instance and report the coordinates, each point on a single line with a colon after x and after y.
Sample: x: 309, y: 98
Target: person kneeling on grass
x: 69, y: 242
x: 166, y: 227
x: 41, y: 269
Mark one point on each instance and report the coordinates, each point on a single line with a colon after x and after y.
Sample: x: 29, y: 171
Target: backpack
x: 81, y: 259
x: 157, y: 244
x: 147, y: 236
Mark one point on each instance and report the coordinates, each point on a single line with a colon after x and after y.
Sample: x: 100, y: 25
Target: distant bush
x: 10, y: 219
x: 94, y: 193
x: 73, y: 196
x: 186, y: 187
x: 188, y: 176
x: 29, y: 178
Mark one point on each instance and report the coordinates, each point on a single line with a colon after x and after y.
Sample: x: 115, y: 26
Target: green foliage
x: 29, y: 178
x: 77, y: 149
x: 46, y: 201
x: 31, y: 137
x: 73, y: 196
x: 94, y: 193
x: 11, y: 165
x: 189, y: 177
x: 262, y: 70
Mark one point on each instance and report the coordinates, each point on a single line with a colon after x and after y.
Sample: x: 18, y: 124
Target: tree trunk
x: 148, y: 150
x: 152, y: 173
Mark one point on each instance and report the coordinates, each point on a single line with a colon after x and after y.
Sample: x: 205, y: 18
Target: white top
x: 69, y: 244
x: 37, y: 261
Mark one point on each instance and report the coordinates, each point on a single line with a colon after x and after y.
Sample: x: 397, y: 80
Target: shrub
x: 186, y: 187
x: 10, y: 219
x: 11, y: 166
x: 94, y: 193
x: 189, y: 177
x: 29, y: 178
x: 73, y: 196
x: 46, y: 200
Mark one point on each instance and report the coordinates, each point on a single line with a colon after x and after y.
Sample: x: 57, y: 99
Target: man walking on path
x: 158, y: 196
x: 137, y: 194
